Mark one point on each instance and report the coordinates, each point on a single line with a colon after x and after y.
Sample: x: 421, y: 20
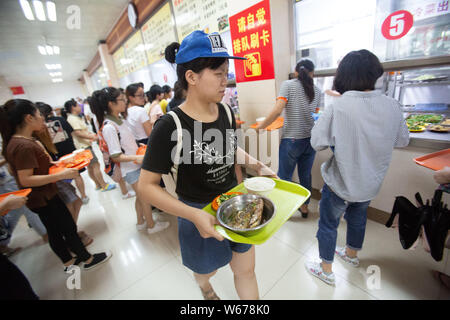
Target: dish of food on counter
x: 248, y: 217
x: 439, y: 128
x: 222, y: 198
x: 446, y: 122
x: 419, y: 119
x: 415, y: 128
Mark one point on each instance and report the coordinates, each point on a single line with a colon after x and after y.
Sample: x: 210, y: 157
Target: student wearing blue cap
x: 206, y: 171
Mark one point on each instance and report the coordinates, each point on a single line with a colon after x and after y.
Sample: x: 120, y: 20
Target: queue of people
x: 126, y: 119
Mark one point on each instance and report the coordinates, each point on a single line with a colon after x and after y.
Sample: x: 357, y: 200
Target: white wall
x: 5, y: 94
x: 54, y: 94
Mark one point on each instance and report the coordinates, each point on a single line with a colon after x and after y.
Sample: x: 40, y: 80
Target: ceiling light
x: 26, y: 8
x: 55, y: 49
x: 42, y: 50
x: 49, y: 49
x: 57, y: 80
x: 51, y: 11
x: 39, y: 10
x: 55, y: 74
x: 53, y: 66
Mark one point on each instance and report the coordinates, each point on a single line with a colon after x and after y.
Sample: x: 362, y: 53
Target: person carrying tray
x: 364, y: 126
x: 19, y: 119
x: 207, y: 168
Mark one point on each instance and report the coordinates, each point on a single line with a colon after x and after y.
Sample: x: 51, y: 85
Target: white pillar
x: 108, y: 65
x: 88, y: 82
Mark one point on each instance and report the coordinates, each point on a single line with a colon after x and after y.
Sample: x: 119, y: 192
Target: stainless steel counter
x: 429, y: 139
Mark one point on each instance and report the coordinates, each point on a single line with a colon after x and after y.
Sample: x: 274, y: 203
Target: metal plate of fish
x: 246, y: 213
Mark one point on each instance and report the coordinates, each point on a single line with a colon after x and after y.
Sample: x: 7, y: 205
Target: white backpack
x: 170, y: 180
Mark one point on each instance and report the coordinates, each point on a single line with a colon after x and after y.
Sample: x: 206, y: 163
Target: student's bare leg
x: 243, y: 266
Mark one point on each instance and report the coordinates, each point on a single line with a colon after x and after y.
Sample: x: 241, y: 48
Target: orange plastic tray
x: 56, y: 169
x: 277, y: 124
x: 21, y: 193
x: 436, y: 160
x: 141, y: 150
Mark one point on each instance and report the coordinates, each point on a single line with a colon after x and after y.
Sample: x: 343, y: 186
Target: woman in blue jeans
x: 299, y: 98
x: 363, y: 126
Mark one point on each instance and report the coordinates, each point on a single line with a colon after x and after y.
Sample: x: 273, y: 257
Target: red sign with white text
x: 251, y: 35
x: 17, y: 90
x: 397, y: 25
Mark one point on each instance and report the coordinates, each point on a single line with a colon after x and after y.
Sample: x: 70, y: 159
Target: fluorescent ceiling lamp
x: 39, y: 10
x: 55, y: 74
x: 49, y: 49
x: 42, y: 50
x: 53, y: 66
x: 51, y: 11
x: 55, y: 49
x: 57, y: 80
x: 26, y: 8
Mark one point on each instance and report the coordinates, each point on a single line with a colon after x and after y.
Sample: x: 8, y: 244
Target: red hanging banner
x: 251, y: 35
x: 17, y: 90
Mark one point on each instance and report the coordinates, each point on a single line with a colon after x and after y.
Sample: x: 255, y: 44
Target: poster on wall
x: 207, y: 15
x: 157, y: 33
x: 135, y: 52
x: 120, y: 62
x: 251, y: 36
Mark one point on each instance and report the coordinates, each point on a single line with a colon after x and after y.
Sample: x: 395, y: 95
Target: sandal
x: 304, y: 213
x: 209, y: 294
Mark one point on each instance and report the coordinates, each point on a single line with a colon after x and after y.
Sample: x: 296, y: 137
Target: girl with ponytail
x: 298, y: 98
x: 202, y: 69
x: 30, y: 164
x: 118, y: 144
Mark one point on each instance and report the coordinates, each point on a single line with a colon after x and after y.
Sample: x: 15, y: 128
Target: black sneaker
x: 99, y: 258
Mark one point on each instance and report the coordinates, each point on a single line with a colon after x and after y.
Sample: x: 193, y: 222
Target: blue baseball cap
x: 202, y: 45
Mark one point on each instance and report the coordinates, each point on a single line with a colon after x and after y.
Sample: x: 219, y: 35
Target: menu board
x: 135, y: 52
x: 158, y: 33
x: 207, y: 15
x: 120, y: 62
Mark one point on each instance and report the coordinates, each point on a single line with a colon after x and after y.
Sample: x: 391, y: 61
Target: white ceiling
x: 21, y: 64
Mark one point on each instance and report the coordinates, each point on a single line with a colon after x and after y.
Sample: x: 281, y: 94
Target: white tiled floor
x: 149, y: 266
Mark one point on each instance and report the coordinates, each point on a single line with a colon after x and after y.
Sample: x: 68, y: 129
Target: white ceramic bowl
x: 259, y: 185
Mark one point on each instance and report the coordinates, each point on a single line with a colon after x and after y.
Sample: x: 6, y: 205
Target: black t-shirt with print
x: 210, y: 155
x: 61, y: 133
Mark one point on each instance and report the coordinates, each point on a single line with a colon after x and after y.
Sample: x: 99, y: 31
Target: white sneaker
x: 85, y: 200
x: 316, y: 270
x: 129, y: 195
x: 159, y: 226
x: 142, y: 226
x: 340, y: 251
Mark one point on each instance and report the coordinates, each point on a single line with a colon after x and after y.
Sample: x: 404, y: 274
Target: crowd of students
x: 362, y: 127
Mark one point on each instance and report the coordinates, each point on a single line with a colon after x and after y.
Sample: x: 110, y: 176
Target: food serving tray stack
x: 287, y: 198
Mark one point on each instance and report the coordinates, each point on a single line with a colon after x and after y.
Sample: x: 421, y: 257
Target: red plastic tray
x: 436, y: 160
x: 22, y: 193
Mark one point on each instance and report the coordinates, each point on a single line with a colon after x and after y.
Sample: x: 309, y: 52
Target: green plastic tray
x: 287, y: 197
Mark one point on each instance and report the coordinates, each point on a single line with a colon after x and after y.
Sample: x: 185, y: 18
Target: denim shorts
x: 202, y: 255
x: 66, y: 192
x: 132, y: 177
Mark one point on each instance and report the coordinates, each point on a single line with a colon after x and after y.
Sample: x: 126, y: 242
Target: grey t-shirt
x: 298, y: 121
